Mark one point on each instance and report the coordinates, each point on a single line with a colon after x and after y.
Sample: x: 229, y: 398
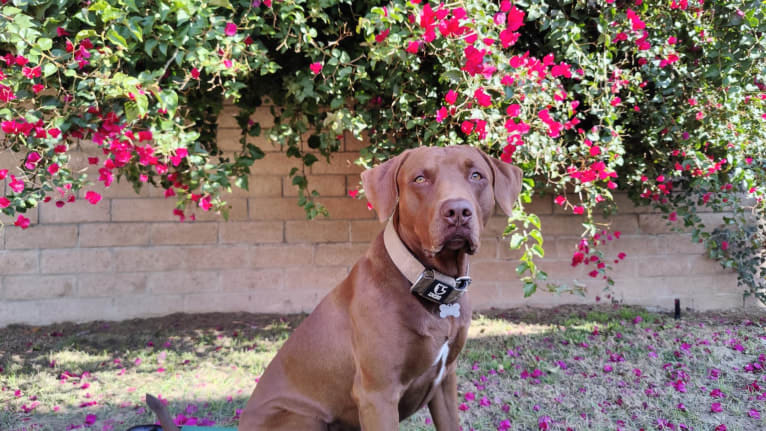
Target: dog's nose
x: 457, y: 212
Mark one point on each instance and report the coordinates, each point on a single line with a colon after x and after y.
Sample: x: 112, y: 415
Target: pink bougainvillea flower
x: 441, y: 114
x: 194, y: 73
x: 22, y: 222
x: 716, y: 408
x: 721, y: 427
x: 16, y: 184
x: 515, y: 18
x: 578, y: 210
x: 544, y: 423
x: 6, y: 94
x: 32, y: 159
x: 450, y: 97
x: 504, y: 425
x: 482, y: 98
x: 412, y: 47
x: 231, y: 29
x: 382, y: 36
x: 37, y: 88
x: 316, y: 68
x: 4, y: 202
x: 467, y: 127
x: 92, y: 197
x: 753, y: 413
x: 32, y: 72
x: 673, y: 216
x: 560, y: 200
x: 205, y: 204
x: 228, y: 63
x: 484, y: 402
x: 463, y: 407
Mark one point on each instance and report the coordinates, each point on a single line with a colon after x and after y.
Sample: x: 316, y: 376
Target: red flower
x: 560, y: 200
x: 92, y: 197
x: 61, y: 32
x: 205, y: 204
x: 412, y: 47
x: 145, y: 135
x: 578, y: 210
x: 4, y: 202
x: 450, y: 97
x: 467, y: 127
x: 316, y: 68
x: 195, y: 73
x: 577, y: 258
x: 441, y: 114
x: 515, y: 18
x: 231, y: 29
x: 6, y: 94
x: 32, y: 72
x: 382, y: 36
x: 22, y: 222
x: 482, y: 98
x: 16, y: 185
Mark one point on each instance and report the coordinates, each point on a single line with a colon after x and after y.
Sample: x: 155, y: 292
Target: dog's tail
x: 161, y: 411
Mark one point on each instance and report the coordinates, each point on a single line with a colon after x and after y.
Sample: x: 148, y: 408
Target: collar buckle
x: 439, y: 288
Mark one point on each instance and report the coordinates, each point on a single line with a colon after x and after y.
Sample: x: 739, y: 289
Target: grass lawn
x: 594, y: 368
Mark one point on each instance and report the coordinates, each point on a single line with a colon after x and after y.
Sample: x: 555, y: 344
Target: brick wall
x: 127, y: 256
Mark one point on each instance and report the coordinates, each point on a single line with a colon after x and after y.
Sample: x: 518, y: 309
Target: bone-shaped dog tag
x: 446, y: 310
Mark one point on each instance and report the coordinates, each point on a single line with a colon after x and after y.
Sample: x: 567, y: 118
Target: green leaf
x: 517, y: 240
x: 529, y: 288
x: 222, y: 3
x: 522, y: 268
x: 85, y: 34
x: 149, y: 46
x: 116, y: 38
x: 44, y: 43
x: 49, y: 69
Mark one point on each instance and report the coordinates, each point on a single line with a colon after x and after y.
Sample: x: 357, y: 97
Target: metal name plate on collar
x: 439, y: 288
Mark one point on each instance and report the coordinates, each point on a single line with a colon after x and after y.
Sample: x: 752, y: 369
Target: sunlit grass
x: 579, y: 367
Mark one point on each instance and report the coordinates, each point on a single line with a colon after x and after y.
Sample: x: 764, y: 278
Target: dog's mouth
x: 457, y: 240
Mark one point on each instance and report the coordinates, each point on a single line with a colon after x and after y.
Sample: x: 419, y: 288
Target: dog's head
x: 441, y: 197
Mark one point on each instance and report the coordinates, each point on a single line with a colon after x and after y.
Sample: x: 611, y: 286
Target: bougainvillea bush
x: 665, y: 100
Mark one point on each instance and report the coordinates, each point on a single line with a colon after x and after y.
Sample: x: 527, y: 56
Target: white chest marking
x: 441, y: 358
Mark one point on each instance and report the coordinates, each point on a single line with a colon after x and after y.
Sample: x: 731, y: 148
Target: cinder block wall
x: 128, y: 257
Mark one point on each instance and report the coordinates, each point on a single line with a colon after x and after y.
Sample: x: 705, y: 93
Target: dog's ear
x: 380, y: 186
x: 507, y: 182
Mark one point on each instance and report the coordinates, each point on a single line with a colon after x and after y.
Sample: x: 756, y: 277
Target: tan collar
x: 427, y: 283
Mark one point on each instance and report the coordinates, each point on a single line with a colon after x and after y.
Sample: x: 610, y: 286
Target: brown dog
x: 384, y: 342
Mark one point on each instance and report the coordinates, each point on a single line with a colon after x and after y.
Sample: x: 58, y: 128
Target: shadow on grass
x: 200, y: 335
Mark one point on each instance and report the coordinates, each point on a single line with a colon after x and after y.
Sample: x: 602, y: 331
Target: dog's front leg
x: 377, y: 401
x: 443, y: 405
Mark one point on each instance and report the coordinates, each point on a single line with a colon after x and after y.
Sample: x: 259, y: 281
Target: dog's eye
x: 420, y: 179
x: 476, y: 176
